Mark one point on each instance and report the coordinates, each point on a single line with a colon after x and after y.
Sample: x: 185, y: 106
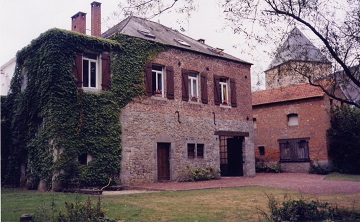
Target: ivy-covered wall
x: 53, y: 122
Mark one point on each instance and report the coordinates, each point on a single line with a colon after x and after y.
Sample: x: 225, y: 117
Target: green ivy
x: 53, y: 122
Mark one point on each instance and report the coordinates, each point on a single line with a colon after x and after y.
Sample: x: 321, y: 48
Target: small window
x: 83, y: 159
x: 261, y: 150
x: 293, y: 119
x: 158, y: 81
x: 182, y: 42
x: 254, y: 123
x: 200, y: 150
x: 224, y: 91
x: 191, y: 150
x: 193, y: 79
x: 146, y: 33
x: 90, y: 70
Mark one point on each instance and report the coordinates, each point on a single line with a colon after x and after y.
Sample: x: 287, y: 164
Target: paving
x: 305, y: 183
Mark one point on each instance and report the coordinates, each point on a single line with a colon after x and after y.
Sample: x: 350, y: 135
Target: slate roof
x: 145, y: 29
x: 297, y: 48
x: 288, y: 93
x: 347, y: 86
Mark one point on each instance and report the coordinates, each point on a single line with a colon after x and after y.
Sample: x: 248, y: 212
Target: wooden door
x: 163, y: 162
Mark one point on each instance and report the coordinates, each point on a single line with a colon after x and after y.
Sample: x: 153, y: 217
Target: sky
x: 24, y: 20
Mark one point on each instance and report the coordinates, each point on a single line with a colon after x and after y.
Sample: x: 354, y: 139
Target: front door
x: 163, y: 162
x: 235, y: 159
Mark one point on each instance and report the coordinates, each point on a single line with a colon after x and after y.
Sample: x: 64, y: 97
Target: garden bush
x: 201, y: 173
x: 307, y: 210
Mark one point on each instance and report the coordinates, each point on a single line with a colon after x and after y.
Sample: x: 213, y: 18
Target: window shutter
x: 233, y: 93
x: 170, y: 82
x: 185, y: 85
x: 217, y: 90
x: 105, y: 70
x: 148, y: 78
x: 204, y: 90
x: 77, y: 69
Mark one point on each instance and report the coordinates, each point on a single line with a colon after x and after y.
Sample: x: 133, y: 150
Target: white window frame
x: 97, y: 73
x: 157, y: 73
x: 193, y: 80
x: 224, y: 87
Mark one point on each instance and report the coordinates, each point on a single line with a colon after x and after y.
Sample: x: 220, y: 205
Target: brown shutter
x: 148, y: 78
x: 233, y: 93
x: 185, y: 85
x: 217, y: 90
x: 170, y: 82
x: 77, y: 69
x: 204, y: 90
x: 105, y: 68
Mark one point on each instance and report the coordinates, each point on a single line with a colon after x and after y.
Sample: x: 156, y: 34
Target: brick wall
x: 150, y: 120
x: 271, y: 125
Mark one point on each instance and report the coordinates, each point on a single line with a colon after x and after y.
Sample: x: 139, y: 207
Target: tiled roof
x: 297, y: 48
x: 152, y: 31
x: 288, y: 93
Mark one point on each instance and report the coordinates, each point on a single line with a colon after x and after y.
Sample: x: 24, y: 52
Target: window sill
x: 88, y: 89
x: 158, y: 98
x: 294, y: 161
x: 194, y: 102
x: 225, y: 106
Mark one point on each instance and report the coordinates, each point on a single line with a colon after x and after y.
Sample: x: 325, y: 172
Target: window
x: 182, y: 42
x: 224, y: 91
x: 293, y: 119
x: 254, y: 123
x: 156, y: 83
x: 90, y: 70
x: 200, y: 150
x: 193, y: 86
x: 261, y: 150
x: 294, y: 150
x: 191, y: 150
x: 158, y: 80
x: 84, y: 159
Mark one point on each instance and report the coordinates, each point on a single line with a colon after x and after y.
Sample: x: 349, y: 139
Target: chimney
x: 78, y: 22
x: 96, y: 19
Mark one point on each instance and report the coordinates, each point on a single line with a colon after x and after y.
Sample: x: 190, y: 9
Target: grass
x: 227, y: 204
x: 339, y: 176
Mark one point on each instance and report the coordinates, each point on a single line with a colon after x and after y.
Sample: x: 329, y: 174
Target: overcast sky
x: 24, y: 20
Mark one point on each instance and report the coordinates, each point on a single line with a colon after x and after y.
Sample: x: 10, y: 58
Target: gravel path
x: 306, y: 183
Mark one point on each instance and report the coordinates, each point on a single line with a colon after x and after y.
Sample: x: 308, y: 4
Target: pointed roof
x: 297, y: 48
x: 152, y: 31
x: 288, y: 93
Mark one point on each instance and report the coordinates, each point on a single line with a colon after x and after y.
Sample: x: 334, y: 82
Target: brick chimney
x: 96, y: 19
x: 78, y: 22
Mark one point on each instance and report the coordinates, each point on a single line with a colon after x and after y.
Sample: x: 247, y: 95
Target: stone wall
x: 150, y: 120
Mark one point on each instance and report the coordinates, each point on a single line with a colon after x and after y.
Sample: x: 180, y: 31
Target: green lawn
x: 229, y: 204
x: 339, y: 176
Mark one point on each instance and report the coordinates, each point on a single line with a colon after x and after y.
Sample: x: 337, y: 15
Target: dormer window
x: 146, y: 33
x: 182, y: 42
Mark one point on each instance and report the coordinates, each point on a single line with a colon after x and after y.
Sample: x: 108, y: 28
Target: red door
x: 163, y: 163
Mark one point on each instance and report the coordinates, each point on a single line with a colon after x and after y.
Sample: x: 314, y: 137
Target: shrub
x: 344, y: 139
x: 307, y: 210
x: 201, y: 173
x: 262, y: 167
x: 78, y: 211
x: 316, y: 168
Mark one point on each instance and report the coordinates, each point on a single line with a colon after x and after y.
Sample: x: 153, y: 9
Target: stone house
x: 188, y: 105
x: 197, y: 111
x: 290, y: 116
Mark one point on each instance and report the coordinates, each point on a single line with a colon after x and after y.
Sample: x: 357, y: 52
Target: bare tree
x: 333, y: 25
